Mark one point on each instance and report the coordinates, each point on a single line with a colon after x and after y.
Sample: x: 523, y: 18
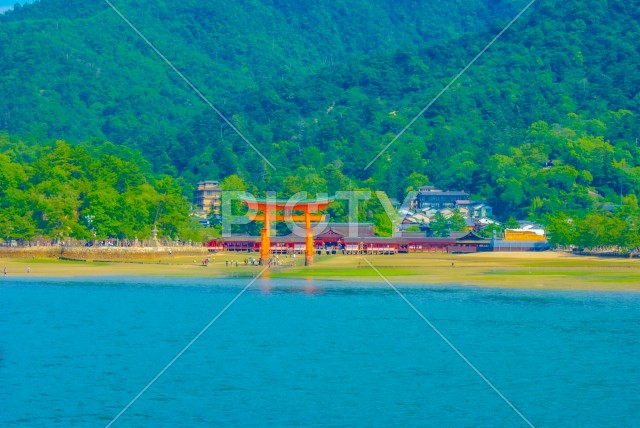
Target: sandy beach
x: 546, y: 270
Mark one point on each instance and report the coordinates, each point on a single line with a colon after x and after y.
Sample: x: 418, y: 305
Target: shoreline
x: 544, y: 270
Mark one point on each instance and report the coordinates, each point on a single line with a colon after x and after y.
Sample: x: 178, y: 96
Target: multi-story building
x: 431, y: 197
x: 207, y: 197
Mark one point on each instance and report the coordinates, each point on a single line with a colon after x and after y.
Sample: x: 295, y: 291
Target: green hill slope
x: 546, y: 120
x: 74, y: 69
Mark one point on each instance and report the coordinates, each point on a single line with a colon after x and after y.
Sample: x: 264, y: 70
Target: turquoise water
x: 74, y: 353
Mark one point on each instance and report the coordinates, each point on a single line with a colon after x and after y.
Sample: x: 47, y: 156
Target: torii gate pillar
x: 309, y: 250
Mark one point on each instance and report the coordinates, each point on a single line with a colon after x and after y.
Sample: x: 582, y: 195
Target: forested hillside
x: 74, y: 69
x: 545, y: 122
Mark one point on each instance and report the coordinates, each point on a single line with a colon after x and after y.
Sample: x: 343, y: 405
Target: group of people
x: 276, y: 262
x: 5, y: 270
x: 253, y: 262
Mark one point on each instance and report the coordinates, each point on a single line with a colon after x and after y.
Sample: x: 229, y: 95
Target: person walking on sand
x: 5, y: 271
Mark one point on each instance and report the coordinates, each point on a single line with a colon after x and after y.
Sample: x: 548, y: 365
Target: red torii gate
x: 269, y: 208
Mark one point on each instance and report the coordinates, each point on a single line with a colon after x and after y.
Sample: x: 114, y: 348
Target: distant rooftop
x: 431, y: 190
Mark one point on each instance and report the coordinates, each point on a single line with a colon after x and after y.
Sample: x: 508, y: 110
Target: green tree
x: 414, y: 181
x: 561, y: 229
x: 489, y: 230
x: 512, y: 223
x: 172, y: 208
x: 457, y: 221
x: 439, y: 226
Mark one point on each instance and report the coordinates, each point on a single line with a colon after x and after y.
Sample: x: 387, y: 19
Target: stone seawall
x: 101, y: 253
x: 617, y: 254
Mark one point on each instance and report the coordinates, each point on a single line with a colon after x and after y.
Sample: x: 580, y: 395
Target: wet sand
x: 547, y: 270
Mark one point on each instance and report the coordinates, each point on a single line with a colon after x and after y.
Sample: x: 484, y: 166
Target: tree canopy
x: 544, y: 124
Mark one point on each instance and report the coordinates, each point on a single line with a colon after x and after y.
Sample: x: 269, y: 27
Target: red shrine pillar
x: 265, y: 238
x: 309, y: 249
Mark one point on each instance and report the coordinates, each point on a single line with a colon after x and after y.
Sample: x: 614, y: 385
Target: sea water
x: 313, y: 353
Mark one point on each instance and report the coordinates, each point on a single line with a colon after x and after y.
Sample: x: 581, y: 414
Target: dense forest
x: 544, y: 125
x: 90, y: 192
